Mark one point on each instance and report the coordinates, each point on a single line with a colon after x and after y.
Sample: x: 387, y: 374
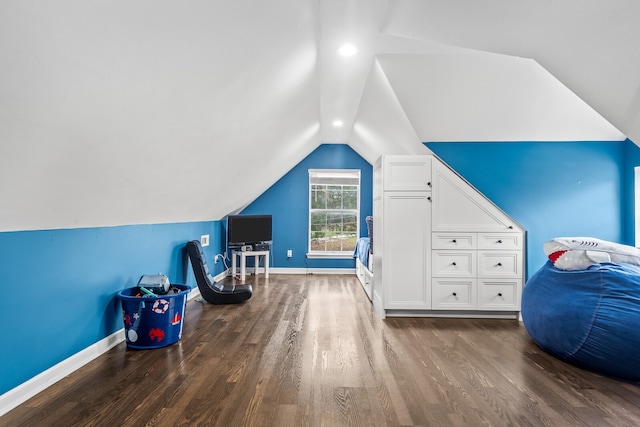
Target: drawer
x: 453, y: 294
x: 500, y: 241
x: 453, y: 263
x: 454, y: 240
x: 499, y: 264
x: 499, y: 294
x: 368, y: 284
x: 368, y: 277
x: 359, y: 269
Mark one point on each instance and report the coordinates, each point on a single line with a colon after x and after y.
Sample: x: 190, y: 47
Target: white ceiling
x: 153, y: 111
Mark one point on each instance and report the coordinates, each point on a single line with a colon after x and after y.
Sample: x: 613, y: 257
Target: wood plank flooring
x: 306, y: 350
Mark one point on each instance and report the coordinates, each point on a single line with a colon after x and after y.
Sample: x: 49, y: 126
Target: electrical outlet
x: 204, y: 240
x: 215, y: 259
x: 289, y: 253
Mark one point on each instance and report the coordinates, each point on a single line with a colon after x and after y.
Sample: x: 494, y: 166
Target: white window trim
x: 340, y: 254
x: 331, y: 255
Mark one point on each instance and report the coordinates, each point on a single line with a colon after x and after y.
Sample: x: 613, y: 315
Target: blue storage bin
x: 153, y: 321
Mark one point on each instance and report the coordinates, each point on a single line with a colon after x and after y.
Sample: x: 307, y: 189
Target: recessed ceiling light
x: 347, y: 50
x: 337, y: 123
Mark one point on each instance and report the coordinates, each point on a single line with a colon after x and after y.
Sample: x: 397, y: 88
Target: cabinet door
x: 407, y: 245
x: 457, y: 206
x: 406, y: 173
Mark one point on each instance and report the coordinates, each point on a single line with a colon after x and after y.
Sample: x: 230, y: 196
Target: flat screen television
x: 248, y: 230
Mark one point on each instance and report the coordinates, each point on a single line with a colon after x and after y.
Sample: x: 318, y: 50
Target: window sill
x: 330, y: 255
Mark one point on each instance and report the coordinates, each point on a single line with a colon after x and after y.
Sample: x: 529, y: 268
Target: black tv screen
x: 248, y: 229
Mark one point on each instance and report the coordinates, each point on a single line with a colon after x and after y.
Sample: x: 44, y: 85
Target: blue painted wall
x: 288, y: 201
x: 60, y: 286
x: 553, y: 189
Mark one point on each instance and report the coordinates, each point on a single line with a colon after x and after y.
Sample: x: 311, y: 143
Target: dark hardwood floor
x: 306, y: 350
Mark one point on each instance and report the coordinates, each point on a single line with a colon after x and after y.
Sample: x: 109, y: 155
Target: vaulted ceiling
x: 152, y: 111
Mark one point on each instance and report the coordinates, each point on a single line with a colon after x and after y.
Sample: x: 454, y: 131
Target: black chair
x: 212, y: 291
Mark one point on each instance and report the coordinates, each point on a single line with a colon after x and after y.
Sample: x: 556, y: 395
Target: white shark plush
x: 578, y: 253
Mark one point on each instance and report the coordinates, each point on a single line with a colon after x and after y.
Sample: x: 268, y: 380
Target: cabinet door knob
x: 429, y: 184
x: 499, y: 294
x: 429, y: 198
x: 454, y: 241
x: 455, y: 295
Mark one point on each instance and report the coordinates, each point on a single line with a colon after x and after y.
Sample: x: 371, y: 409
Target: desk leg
x: 233, y: 263
x: 266, y: 265
x: 256, y: 264
x: 243, y: 267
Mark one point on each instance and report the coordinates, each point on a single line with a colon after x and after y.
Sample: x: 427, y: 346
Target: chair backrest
x: 199, y: 264
x: 212, y: 291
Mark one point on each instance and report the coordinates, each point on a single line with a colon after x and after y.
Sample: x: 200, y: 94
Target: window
x: 334, y: 212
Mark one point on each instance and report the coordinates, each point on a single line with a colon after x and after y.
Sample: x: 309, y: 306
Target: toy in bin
x: 153, y: 312
x: 156, y: 283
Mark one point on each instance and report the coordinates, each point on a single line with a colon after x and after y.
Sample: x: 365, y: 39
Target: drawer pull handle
x: 453, y: 263
x: 499, y: 264
x: 499, y: 294
x: 499, y: 241
x: 454, y: 241
x: 429, y: 184
x: 429, y: 198
x: 455, y: 295
x: 511, y: 227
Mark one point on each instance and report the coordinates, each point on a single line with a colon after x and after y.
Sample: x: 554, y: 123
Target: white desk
x: 243, y: 262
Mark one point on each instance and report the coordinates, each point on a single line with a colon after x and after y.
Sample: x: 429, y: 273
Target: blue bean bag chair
x: 589, y: 318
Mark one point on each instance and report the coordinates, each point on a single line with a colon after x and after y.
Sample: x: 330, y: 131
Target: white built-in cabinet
x: 441, y: 247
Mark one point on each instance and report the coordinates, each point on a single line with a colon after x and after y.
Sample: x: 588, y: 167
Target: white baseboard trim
x: 35, y: 385
x: 25, y: 391
x: 220, y: 276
